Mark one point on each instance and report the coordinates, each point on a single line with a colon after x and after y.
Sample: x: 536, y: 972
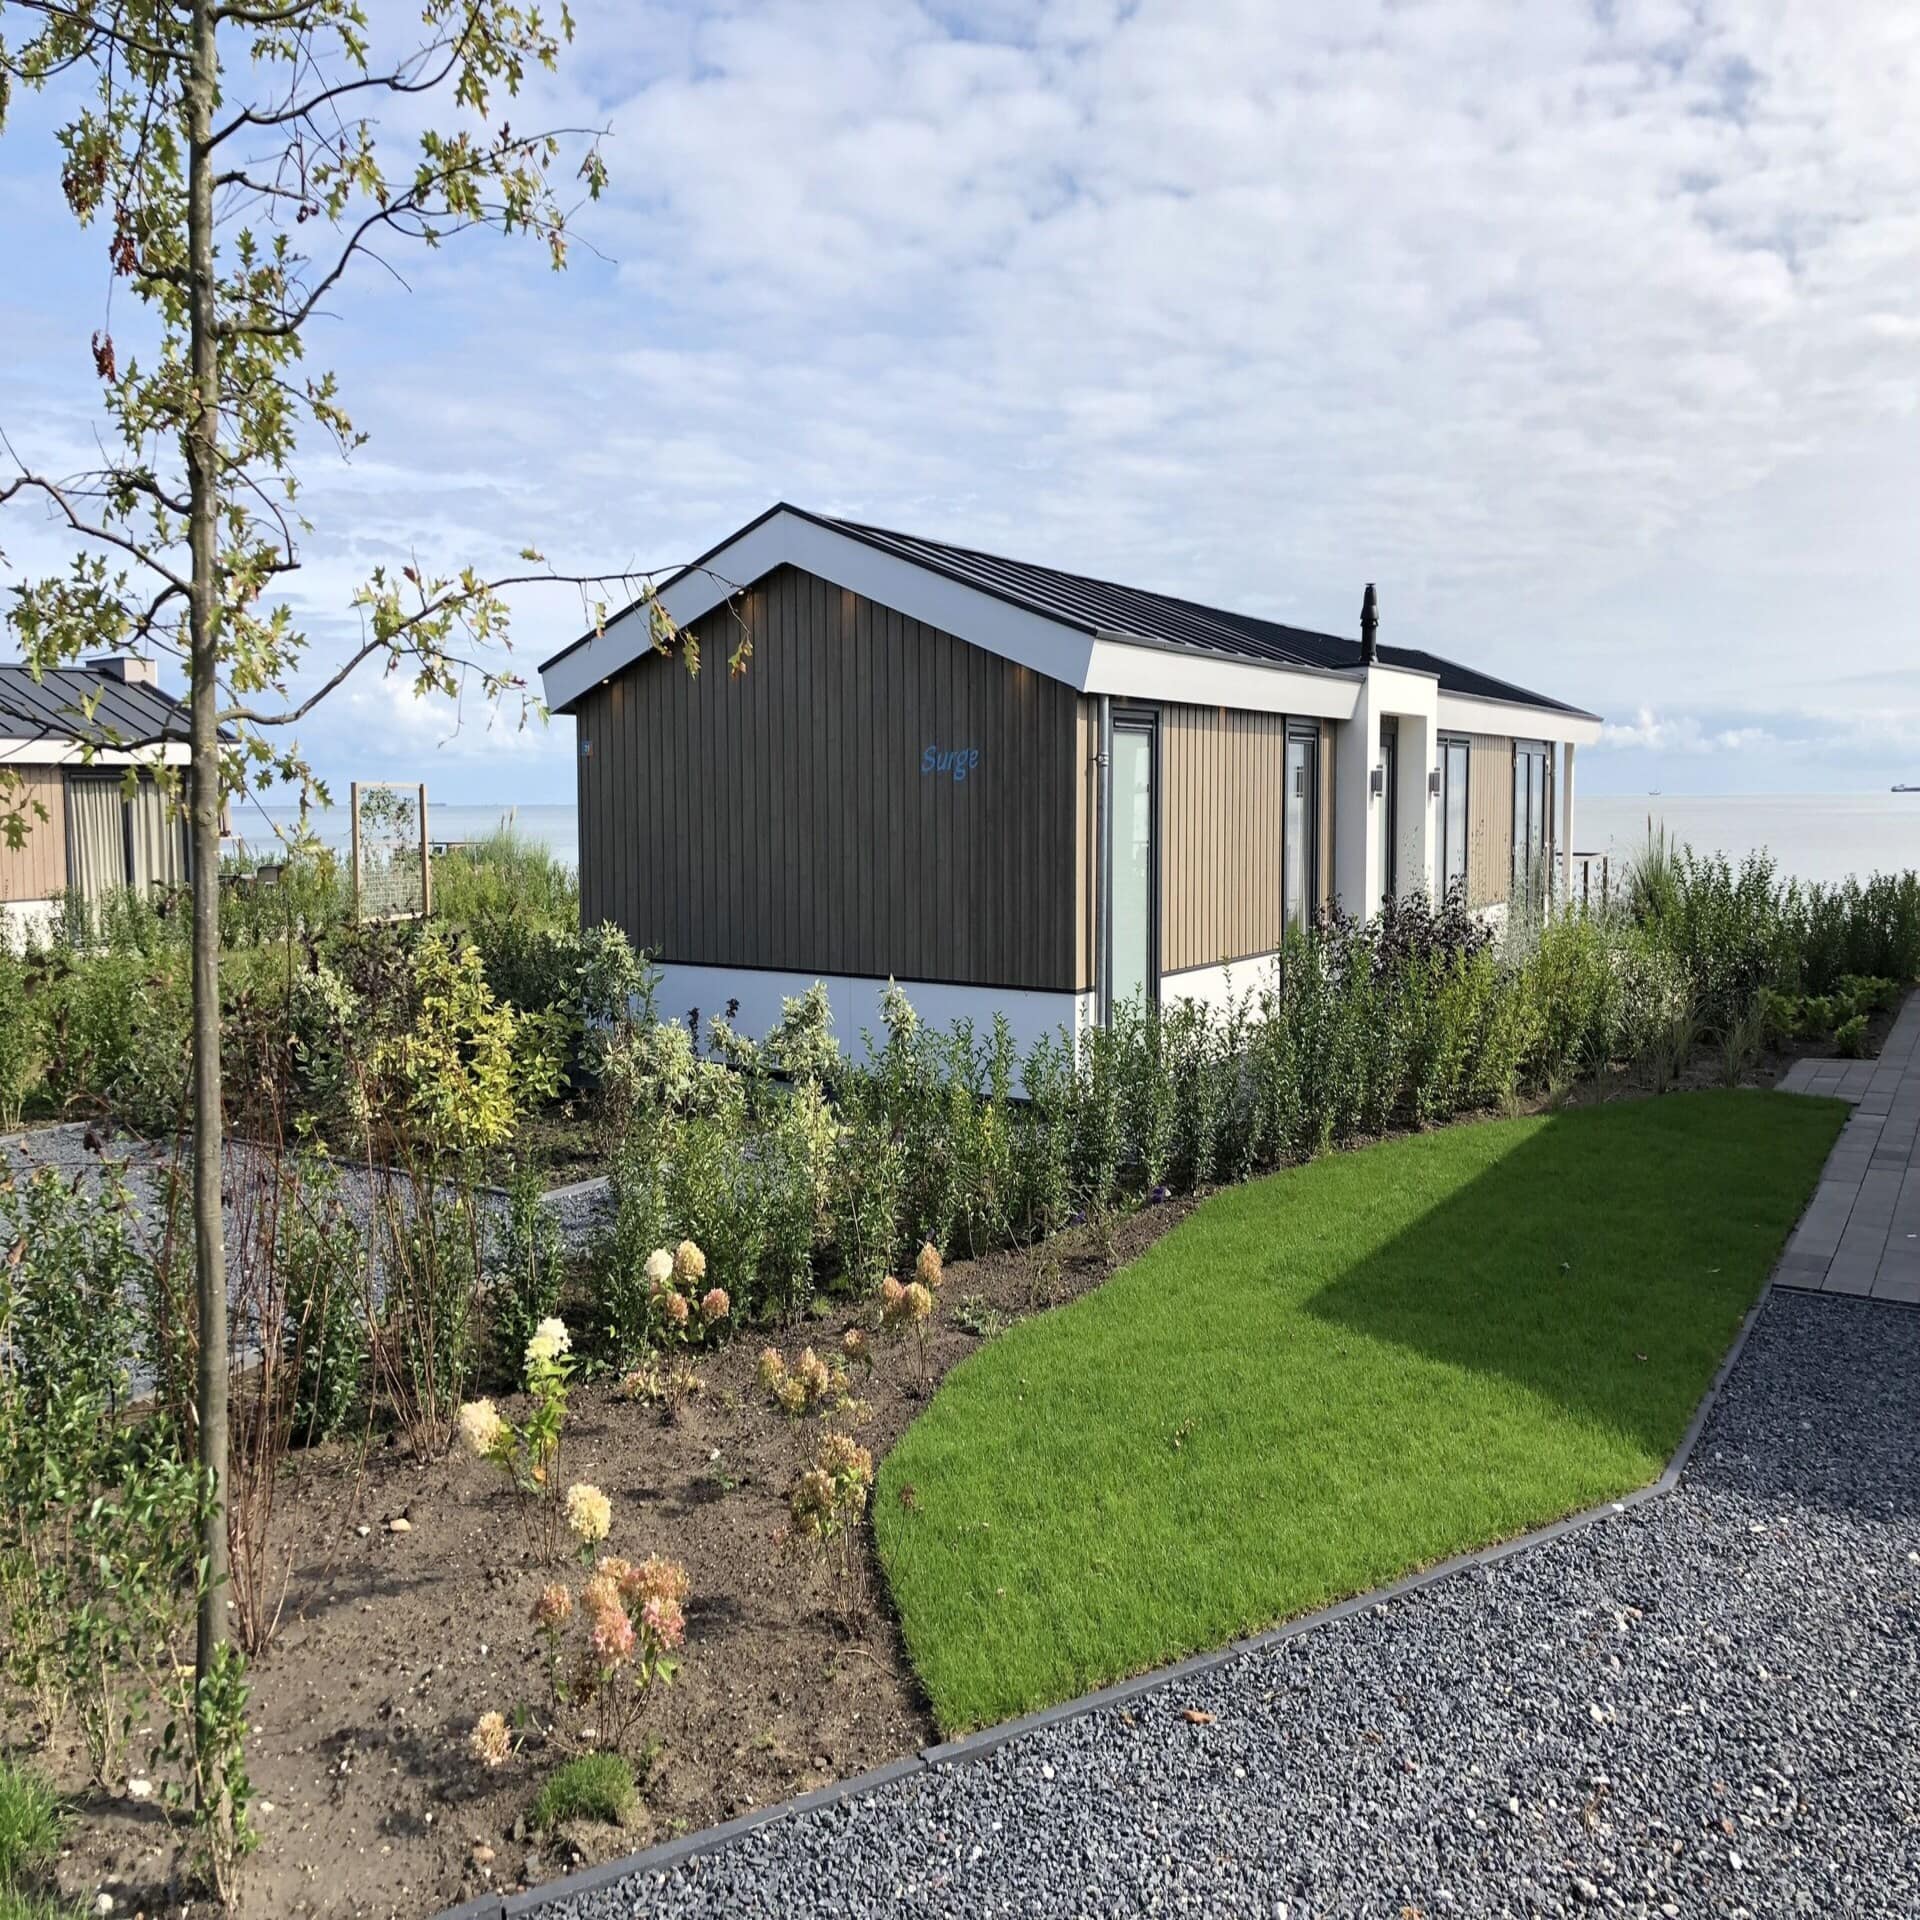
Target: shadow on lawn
x: 1490, y: 1279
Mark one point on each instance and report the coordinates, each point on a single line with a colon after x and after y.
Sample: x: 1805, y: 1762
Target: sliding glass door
x: 1300, y: 838
x: 1387, y: 811
x: 1530, y: 801
x: 1135, y: 973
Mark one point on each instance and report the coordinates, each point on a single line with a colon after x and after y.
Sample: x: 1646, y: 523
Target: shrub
x: 1850, y: 1037
x: 620, y: 1292
x: 528, y: 1267
x: 603, y: 1649
x: 321, y: 1254
x: 19, y: 1037
x: 117, y: 1032
x: 825, y: 1508
x: 452, y: 1075
x: 591, y: 1786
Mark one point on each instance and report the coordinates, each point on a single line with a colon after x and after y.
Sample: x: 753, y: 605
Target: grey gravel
x: 1709, y: 1704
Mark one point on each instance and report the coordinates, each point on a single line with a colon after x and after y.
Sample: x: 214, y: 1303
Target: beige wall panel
x: 1489, y: 819
x: 1222, y: 773
x: 39, y: 867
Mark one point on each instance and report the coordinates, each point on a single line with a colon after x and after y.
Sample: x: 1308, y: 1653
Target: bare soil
x: 392, y: 1644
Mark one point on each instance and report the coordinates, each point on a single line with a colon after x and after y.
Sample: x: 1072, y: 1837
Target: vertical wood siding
x: 1223, y: 783
x: 38, y: 868
x: 1489, y: 819
x: 781, y: 820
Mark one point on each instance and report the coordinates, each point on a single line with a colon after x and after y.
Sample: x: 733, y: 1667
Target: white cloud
x: 1586, y: 332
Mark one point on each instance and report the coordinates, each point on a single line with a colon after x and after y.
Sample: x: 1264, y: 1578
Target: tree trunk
x: 210, y: 1249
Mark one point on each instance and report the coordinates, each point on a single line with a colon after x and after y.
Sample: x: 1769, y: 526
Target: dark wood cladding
x: 781, y: 819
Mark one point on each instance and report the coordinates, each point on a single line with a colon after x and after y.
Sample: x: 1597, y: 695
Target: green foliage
x: 19, y: 1037
x: 30, y: 1823
x: 454, y: 1076
x: 321, y: 1257
x: 591, y: 1786
x: 508, y: 880
x: 1850, y: 1037
x: 115, y: 1028
x: 528, y: 1268
x: 97, y: 1514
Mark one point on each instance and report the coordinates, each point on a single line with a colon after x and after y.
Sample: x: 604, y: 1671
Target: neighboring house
x: 1017, y: 790
x: 96, y: 835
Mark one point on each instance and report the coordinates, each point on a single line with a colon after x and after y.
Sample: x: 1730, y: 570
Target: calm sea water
x: 1814, y: 836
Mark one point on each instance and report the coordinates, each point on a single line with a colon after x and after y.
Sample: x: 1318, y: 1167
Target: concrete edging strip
x: 973, y: 1746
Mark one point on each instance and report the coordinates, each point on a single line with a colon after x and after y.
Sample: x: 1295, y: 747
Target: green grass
x: 595, y: 1786
x: 16, y: 1905
x: 1322, y: 1380
x: 29, y: 1823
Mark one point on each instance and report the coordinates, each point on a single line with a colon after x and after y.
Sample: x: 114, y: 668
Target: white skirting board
x: 1218, y: 987
x: 855, y: 1001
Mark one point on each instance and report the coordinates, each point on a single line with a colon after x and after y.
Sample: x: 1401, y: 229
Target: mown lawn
x: 1322, y: 1380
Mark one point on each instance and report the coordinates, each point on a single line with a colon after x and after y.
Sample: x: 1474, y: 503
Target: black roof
x: 1132, y: 613
x: 1102, y: 606
x: 53, y: 708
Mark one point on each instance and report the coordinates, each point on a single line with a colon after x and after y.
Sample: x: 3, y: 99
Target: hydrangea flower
x: 689, y: 1262
x: 554, y: 1608
x: 659, y: 1268
x: 480, y: 1426
x: 663, y: 1622
x: 716, y: 1306
x: 928, y: 1268
x: 589, y: 1513
x: 611, y: 1636
x: 550, y: 1340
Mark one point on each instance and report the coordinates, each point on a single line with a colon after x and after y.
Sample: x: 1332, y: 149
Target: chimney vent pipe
x: 1369, y: 626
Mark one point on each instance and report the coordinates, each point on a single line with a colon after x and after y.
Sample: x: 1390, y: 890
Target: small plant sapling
x: 826, y: 1507
x: 529, y: 1452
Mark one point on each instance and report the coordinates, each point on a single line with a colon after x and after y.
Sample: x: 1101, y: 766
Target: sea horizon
x: 1812, y: 836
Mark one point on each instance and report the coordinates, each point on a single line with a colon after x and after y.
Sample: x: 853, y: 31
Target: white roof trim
x: 1116, y: 664
x: 69, y: 753
x: 1473, y: 713
x: 1130, y: 670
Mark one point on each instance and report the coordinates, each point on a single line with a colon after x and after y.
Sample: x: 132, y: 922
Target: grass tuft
x: 1322, y: 1380
x: 595, y: 1786
x: 29, y: 1824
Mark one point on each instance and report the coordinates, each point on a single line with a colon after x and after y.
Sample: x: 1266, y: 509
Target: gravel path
x: 1709, y: 1705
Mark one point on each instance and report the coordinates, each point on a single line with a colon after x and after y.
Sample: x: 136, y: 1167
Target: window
x: 1453, y: 815
x: 1300, y: 838
x: 119, y: 840
x: 1135, y: 857
x: 1531, y: 793
x: 1387, y: 813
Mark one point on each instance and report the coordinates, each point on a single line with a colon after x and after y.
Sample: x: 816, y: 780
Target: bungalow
x: 1020, y: 791
x: 67, y: 738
